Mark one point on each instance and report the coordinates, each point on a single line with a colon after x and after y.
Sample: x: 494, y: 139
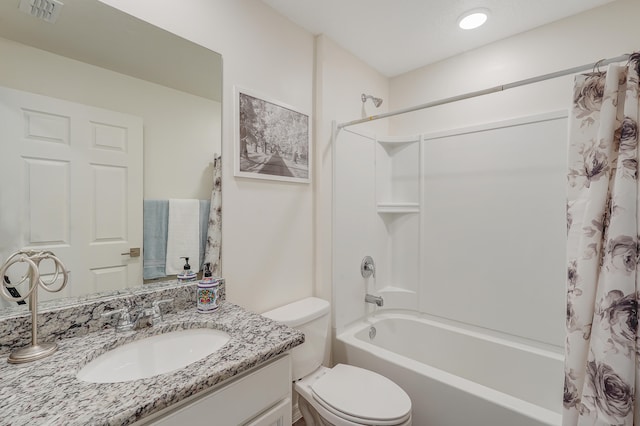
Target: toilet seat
x: 361, y: 396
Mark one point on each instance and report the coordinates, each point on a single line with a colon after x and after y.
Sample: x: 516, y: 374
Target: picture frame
x: 272, y: 140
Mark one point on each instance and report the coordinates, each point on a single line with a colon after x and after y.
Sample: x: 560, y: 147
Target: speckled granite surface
x: 46, y: 392
x: 72, y: 317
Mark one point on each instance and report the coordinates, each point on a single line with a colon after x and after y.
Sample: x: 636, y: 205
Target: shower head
x: 376, y: 101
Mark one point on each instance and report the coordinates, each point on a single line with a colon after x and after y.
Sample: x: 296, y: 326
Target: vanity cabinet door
x: 280, y: 415
x: 261, y: 397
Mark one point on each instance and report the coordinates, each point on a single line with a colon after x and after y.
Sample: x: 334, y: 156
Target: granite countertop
x: 47, y: 392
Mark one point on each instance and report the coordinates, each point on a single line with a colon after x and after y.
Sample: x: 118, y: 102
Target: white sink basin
x: 153, y: 355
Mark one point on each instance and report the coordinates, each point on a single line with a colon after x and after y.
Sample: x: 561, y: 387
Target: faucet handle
x: 367, y: 267
x: 123, y: 319
x: 155, y: 305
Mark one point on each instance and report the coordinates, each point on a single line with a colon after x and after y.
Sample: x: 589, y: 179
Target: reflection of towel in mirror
x: 183, y: 235
x: 156, y: 216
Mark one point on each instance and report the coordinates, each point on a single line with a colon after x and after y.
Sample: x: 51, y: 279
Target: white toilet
x: 343, y: 395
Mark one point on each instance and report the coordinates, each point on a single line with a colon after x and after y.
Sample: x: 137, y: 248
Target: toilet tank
x: 311, y: 316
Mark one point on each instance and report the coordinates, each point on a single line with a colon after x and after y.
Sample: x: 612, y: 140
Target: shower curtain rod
x: 494, y: 89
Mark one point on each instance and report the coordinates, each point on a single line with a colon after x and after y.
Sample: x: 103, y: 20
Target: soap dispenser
x: 207, y: 293
x: 187, y: 275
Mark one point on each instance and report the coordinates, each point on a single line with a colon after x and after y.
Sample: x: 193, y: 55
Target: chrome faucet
x: 123, y: 319
x: 152, y: 315
x: 377, y: 300
x: 147, y: 317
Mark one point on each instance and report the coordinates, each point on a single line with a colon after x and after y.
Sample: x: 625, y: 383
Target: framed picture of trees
x: 272, y: 140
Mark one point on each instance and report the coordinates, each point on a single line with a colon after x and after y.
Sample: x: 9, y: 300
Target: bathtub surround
x: 603, y: 225
x: 415, y: 200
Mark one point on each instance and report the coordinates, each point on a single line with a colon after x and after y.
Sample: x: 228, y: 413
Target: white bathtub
x: 459, y: 377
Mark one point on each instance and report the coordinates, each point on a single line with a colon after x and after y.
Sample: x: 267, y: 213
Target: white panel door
x: 71, y: 179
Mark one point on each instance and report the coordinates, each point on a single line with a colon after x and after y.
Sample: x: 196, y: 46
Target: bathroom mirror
x: 98, y: 56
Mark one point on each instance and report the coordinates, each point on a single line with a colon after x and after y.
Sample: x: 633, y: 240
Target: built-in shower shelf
x: 399, y: 208
x: 398, y: 193
x: 396, y: 140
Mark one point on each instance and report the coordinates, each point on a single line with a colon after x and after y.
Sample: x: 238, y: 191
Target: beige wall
x: 181, y: 131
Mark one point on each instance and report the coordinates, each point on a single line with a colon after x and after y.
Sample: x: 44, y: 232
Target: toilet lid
x: 361, y: 394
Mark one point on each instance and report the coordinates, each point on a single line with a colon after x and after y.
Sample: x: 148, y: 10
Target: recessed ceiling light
x: 473, y: 19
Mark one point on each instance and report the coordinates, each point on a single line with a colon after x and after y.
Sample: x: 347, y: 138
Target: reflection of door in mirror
x: 76, y: 174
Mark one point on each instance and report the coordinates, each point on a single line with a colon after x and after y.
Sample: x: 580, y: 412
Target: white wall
x: 267, y: 233
x: 181, y: 131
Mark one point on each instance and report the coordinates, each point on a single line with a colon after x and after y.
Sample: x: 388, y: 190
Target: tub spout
x: 370, y: 298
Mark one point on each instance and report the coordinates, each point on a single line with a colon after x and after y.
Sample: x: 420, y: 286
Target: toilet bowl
x: 344, y: 395
x: 350, y: 396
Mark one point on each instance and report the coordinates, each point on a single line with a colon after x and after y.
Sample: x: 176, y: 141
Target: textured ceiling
x: 396, y: 36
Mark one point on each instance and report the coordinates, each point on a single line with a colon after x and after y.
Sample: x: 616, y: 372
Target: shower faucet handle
x: 368, y: 267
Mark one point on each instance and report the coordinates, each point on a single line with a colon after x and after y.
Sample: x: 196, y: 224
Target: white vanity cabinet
x: 259, y: 397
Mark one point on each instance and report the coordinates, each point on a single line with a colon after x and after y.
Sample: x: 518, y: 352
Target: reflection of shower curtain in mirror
x: 214, y: 231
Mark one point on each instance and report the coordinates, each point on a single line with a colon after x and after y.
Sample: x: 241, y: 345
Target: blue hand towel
x: 156, y: 219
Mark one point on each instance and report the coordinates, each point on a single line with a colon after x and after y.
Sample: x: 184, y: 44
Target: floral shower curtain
x: 212, y: 253
x: 601, y: 351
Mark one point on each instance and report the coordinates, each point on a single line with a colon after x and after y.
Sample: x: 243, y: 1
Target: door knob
x: 134, y: 252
